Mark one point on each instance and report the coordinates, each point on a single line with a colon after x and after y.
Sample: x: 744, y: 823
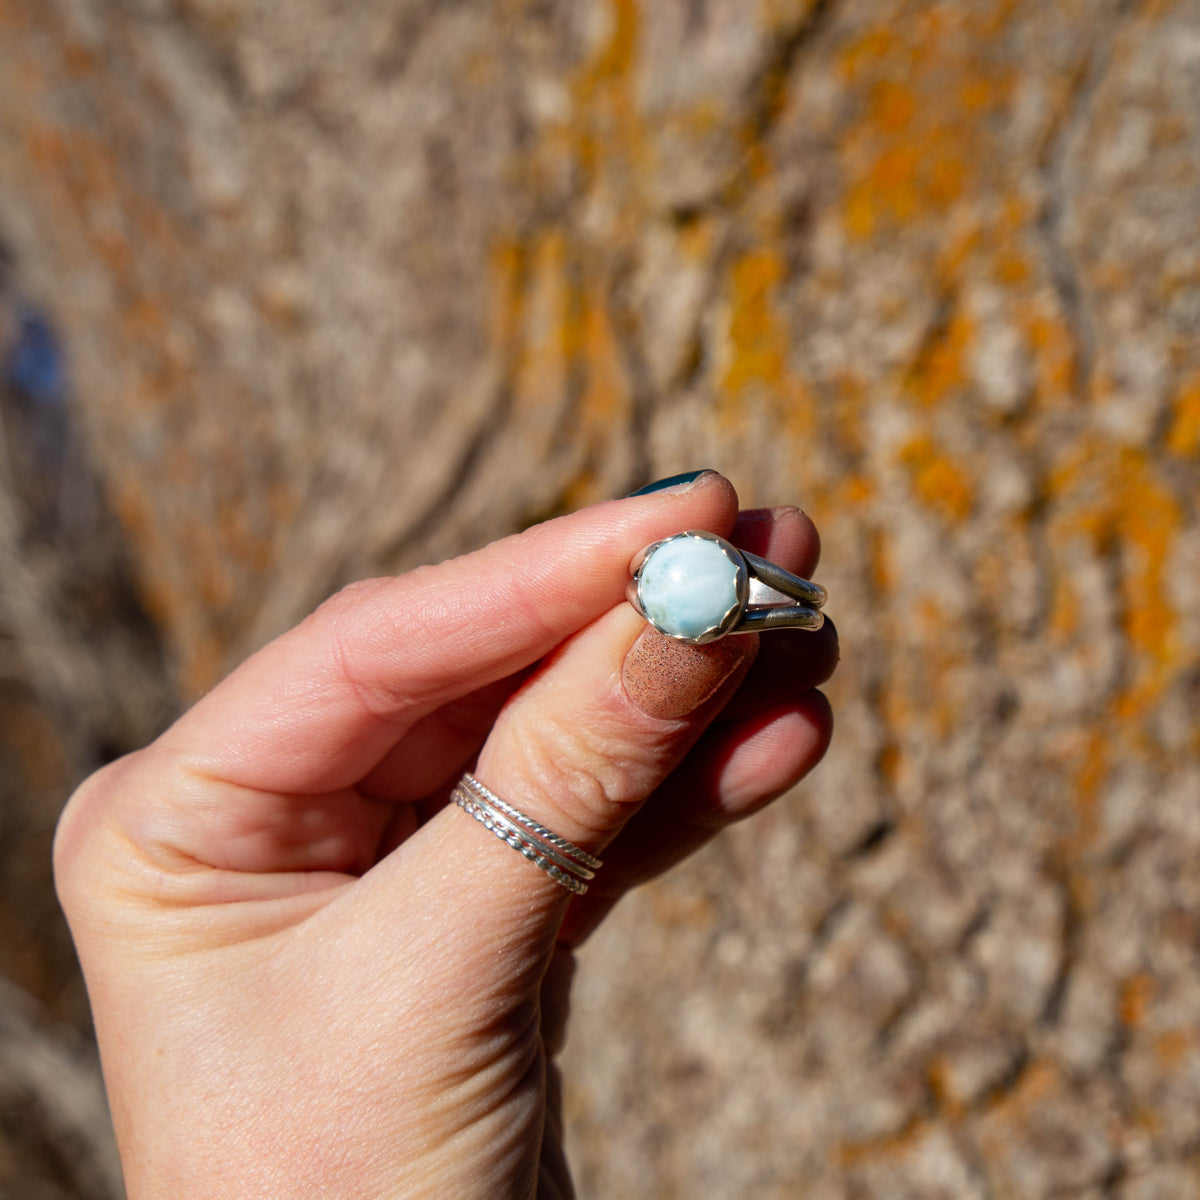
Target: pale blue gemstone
x: 687, y: 586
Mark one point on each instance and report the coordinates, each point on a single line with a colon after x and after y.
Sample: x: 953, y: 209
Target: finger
x: 594, y: 731
x: 723, y: 781
x: 319, y: 707
x: 784, y: 534
x: 789, y: 663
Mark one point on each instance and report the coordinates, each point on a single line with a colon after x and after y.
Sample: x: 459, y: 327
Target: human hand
x: 312, y: 977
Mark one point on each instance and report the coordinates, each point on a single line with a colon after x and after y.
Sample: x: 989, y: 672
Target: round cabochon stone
x: 687, y: 586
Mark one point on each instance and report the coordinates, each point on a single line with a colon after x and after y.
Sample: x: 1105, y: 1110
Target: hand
x: 312, y: 977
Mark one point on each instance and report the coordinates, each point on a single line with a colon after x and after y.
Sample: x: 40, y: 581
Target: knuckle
x: 369, y: 626
x: 75, y: 833
x: 584, y: 765
x: 355, y: 624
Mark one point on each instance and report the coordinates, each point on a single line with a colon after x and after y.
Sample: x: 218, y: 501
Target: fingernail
x: 678, y: 483
x: 667, y: 679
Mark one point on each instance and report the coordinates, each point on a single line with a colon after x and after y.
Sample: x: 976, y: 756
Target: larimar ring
x: 697, y: 587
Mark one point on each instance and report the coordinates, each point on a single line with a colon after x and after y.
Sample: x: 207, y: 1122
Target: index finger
x: 317, y: 708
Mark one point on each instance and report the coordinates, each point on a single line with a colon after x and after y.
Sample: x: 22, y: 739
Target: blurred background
x: 296, y: 293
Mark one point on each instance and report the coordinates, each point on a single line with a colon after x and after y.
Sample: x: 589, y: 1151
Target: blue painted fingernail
x: 671, y: 481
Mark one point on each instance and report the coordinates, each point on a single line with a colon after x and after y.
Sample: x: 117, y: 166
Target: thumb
x: 578, y: 749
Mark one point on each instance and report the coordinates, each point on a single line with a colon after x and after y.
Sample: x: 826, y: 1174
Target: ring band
x: 567, y: 864
x: 483, y: 792
x: 696, y: 587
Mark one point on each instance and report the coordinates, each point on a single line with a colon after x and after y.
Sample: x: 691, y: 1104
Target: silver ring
x: 484, y: 793
x: 568, y: 865
x: 696, y: 587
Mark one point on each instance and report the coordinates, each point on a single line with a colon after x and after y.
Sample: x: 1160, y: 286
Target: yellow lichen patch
x: 547, y: 328
x: 938, y: 481
x: 605, y: 139
x: 1055, y: 355
x: 606, y: 396
x: 882, y: 567
x: 616, y: 58
x: 940, y: 370
x: 855, y: 491
x: 893, y: 106
x: 1115, y: 498
x: 1147, y: 518
x: 757, y: 338
x: 922, y: 143
x: 1064, y: 607
x: 1183, y: 438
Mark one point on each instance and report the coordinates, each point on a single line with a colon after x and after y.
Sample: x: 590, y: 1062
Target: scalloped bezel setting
x: 693, y: 586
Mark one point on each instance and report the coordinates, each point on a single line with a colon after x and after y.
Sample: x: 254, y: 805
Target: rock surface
x: 349, y: 288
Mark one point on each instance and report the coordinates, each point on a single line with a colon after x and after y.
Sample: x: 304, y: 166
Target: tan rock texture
x: 347, y: 288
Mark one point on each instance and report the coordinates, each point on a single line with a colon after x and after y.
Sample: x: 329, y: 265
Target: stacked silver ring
x: 568, y: 865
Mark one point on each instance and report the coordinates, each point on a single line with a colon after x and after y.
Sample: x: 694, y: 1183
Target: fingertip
x: 783, y: 533
x: 818, y: 712
x: 767, y: 755
x: 708, y: 487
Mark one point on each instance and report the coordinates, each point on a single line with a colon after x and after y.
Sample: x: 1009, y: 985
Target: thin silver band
x: 565, y: 863
x: 483, y: 792
x: 526, y: 848
x: 473, y: 805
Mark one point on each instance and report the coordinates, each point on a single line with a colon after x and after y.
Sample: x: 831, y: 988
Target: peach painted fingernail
x: 667, y: 679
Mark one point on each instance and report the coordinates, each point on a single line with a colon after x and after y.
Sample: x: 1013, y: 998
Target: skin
x: 312, y: 977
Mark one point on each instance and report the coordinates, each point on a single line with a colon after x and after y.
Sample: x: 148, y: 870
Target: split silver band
x: 697, y: 587
x: 567, y: 864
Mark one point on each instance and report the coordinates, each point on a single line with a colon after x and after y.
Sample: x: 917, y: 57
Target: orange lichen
x: 548, y: 327
x: 940, y: 370
x: 937, y: 479
x: 757, y: 335
x: 606, y: 395
x: 1173, y: 1045
x: 1114, y: 497
x: 1183, y: 437
x: 893, y: 106
x: 1147, y: 519
x: 914, y: 155
x: 1055, y: 354
x: 617, y: 56
x: 605, y: 139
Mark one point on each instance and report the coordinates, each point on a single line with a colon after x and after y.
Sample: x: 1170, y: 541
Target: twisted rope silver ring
x: 567, y: 864
x: 697, y: 587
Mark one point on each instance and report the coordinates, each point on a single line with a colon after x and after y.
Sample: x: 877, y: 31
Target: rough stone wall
x: 346, y: 288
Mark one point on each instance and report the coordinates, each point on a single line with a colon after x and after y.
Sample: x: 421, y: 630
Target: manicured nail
x: 678, y: 483
x: 668, y: 679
